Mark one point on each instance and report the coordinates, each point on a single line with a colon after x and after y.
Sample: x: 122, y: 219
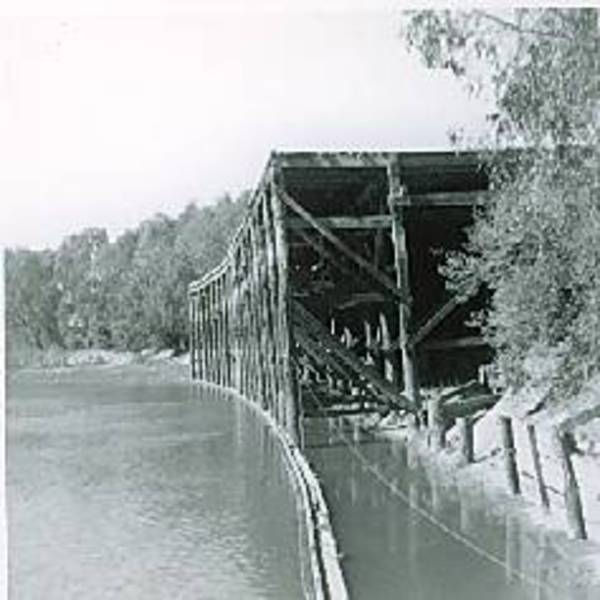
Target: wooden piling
x: 537, y: 465
x: 510, y: 454
x: 192, y: 336
x: 465, y: 427
x: 409, y: 363
x: 291, y: 412
x: 574, y: 510
x: 435, y: 423
x: 390, y: 371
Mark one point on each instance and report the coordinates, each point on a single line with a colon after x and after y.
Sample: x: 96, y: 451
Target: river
x: 129, y: 490
x: 406, y: 532
x: 128, y: 487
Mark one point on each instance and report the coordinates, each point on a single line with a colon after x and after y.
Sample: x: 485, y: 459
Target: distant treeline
x: 127, y: 294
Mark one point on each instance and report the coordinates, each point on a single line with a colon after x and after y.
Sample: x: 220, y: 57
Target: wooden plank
x: 362, y: 263
x: 343, y: 222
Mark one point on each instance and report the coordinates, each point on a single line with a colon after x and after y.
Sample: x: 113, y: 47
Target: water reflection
x: 450, y: 545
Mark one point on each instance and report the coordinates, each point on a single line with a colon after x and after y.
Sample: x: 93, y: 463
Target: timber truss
x: 331, y: 285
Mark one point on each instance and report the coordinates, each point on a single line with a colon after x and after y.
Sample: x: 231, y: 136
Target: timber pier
x: 329, y: 300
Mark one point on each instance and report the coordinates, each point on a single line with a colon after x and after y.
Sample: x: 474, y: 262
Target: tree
x: 128, y: 294
x: 31, y: 298
x: 81, y: 315
x: 537, y: 246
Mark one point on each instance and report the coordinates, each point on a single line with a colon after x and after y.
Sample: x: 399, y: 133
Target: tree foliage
x: 127, y: 294
x: 537, y: 246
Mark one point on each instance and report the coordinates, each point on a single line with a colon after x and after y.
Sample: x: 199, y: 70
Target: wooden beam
x: 459, y: 198
x: 433, y: 321
x: 343, y: 222
x: 361, y: 298
x: 408, y: 160
x: 475, y: 341
x: 362, y: 263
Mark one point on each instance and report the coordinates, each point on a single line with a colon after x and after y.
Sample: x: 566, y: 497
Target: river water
x: 406, y: 532
x: 129, y: 487
x: 132, y: 490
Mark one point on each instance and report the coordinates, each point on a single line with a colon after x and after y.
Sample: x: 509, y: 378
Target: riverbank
x: 92, y: 365
x: 487, y: 472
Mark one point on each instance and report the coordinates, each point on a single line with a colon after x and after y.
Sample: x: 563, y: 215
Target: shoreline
x: 487, y: 474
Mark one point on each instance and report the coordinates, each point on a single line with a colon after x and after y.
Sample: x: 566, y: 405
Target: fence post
x: 510, y: 454
x: 537, y: 465
x: 465, y: 426
x: 575, y: 520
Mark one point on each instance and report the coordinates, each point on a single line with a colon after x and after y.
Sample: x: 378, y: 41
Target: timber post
x: 289, y: 399
x: 192, y: 334
x: 574, y: 510
x: 510, y: 454
x: 537, y: 465
x: 399, y: 240
x: 465, y: 427
x: 435, y: 423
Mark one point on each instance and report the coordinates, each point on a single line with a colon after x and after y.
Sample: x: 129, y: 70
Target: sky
x: 109, y: 115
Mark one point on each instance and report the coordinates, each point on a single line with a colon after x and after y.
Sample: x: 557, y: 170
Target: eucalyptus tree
x: 537, y: 246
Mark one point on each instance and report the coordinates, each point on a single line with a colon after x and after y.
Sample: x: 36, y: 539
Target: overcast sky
x: 109, y: 118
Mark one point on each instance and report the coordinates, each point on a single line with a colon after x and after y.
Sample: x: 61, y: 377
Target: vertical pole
x: 389, y: 368
x: 537, y: 465
x: 575, y: 520
x: 192, y: 337
x: 210, y: 332
x: 271, y: 286
x: 368, y: 343
x: 198, y: 335
x: 259, y: 330
x: 465, y: 425
x: 409, y: 363
x: 291, y: 421
x: 510, y: 454
x: 435, y: 422
x: 202, y: 334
